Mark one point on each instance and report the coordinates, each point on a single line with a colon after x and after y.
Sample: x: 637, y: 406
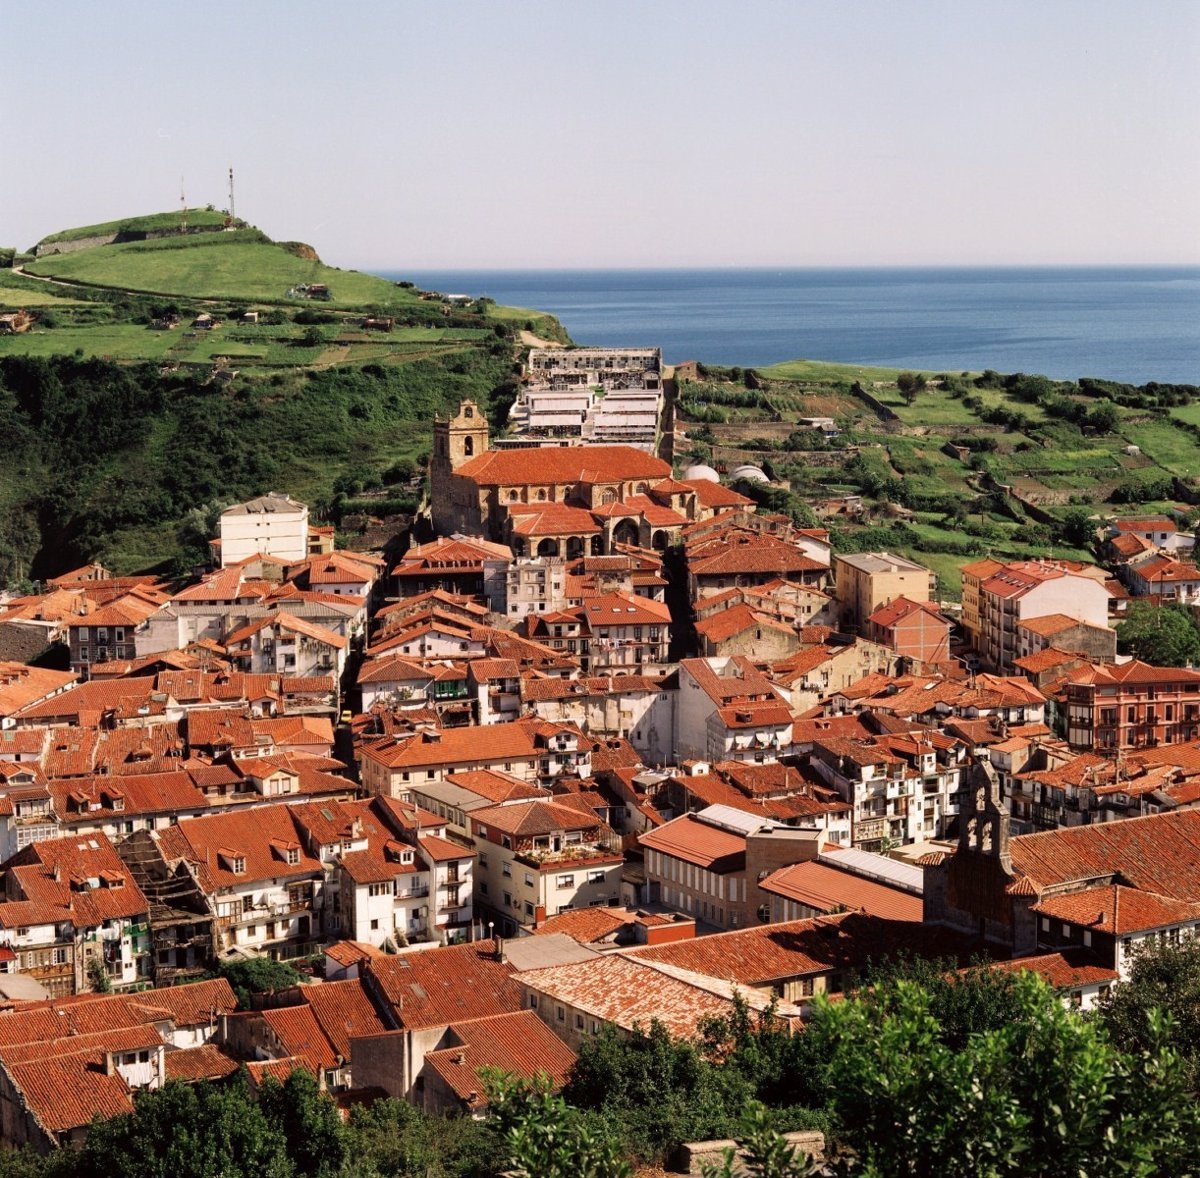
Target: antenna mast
x: 182, y: 207
x: 232, y: 210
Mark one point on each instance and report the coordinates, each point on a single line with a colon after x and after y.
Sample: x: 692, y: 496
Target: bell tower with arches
x: 463, y: 437
x: 456, y: 441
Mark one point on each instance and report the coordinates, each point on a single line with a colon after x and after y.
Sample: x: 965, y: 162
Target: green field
x: 1173, y: 449
x: 805, y: 370
x: 117, y: 341
x: 1188, y: 413
x: 14, y: 297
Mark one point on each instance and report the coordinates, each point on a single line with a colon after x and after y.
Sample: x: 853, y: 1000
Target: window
x: 483, y: 888
x: 506, y: 870
x: 374, y: 924
x: 528, y: 879
x: 533, y: 1002
x: 595, y: 876
x: 560, y: 1014
x: 578, y: 1022
x: 566, y: 881
x: 380, y: 889
x: 508, y: 900
x: 483, y: 862
x: 293, y: 856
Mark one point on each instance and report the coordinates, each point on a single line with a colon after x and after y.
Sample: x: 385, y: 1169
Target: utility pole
x: 232, y: 210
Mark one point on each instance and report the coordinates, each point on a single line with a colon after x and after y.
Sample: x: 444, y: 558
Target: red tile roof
x: 768, y: 953
x: 519, y: 1044
x: 1160, y: 853
x: 1065, y: 971
x: 300, y: 1035
x: 344, y: 1010
x: 211, y: 842
x: 827, y: 889
x: 635, y: 990
x: 436, y: 987
x: 193, y: 1064
x: 1118, y: 910
x: 698, y: 842
x: 562, y: 464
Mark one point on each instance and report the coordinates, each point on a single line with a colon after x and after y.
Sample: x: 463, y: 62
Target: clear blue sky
x: 655, y: 133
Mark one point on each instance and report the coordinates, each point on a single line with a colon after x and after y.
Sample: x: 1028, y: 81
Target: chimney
x: 499, y: 951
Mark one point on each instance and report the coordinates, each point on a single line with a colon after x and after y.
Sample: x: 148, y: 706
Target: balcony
x: 412, y: 893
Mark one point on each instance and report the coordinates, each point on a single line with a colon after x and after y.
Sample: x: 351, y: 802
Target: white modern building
x: 273, y: 524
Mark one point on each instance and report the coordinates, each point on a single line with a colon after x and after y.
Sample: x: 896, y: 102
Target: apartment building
x: 864, y: 581
x: 1131, y: 706
x: 538, y: 857
x: 1017, y: 592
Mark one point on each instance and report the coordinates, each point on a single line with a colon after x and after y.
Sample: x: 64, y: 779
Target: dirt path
x: 535, y: 341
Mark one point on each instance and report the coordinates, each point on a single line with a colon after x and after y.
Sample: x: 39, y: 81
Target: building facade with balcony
x: 1131, y: 706
x: 903, y: 789
x: 535, y: 858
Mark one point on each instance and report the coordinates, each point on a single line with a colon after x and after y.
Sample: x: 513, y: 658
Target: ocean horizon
x: 1130, y: 323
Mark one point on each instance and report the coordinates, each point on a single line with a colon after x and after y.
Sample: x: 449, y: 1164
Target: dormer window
x: 238, y: 866
x: 293, y: 856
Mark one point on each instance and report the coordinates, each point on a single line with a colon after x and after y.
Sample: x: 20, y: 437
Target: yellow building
x: 867, y: 580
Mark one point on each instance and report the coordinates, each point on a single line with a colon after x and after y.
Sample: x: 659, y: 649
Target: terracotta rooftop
x: 436, y: 987
x: 519, y: 1044
x: 829, y: 889
x: 698, y: 842
x: 562, y: 464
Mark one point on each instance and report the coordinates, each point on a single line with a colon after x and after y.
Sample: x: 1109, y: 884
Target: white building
x: 273, y: 524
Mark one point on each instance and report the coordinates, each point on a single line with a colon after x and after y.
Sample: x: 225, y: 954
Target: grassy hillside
x: 127, y: 426
x: 128, y: 464
x: 962, y: 465
x: 146, y: 224
x: 237, y: 265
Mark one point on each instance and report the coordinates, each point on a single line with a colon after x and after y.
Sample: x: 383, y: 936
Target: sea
x: 1127, y: 323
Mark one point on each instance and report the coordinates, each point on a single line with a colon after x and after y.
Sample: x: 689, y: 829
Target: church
x: 566, y: 501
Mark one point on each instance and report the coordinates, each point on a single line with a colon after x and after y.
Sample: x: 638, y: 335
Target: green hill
x: 127, y: 425
x: 238, y: 264
x: 151, y: 222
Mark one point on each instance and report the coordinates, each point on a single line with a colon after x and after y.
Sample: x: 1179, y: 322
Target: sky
x: 662, y: 133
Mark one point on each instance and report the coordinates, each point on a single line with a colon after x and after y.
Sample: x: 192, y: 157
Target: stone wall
x: 690, y: 1158
x: 46, y: 249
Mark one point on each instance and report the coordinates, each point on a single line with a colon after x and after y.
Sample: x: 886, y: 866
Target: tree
x: 310, y: 1123
x: 1103, y: 418
x: 656, y: 1090
x: 188, y: 1131
x: 1163, y: 977
x: 392, y: 1138
x: 1077, y: 527
x: 544, y: 1137
x: 1163, y: 635
x: 1047, y: 1093
x: 258, y: 975
x: 910, y: 384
